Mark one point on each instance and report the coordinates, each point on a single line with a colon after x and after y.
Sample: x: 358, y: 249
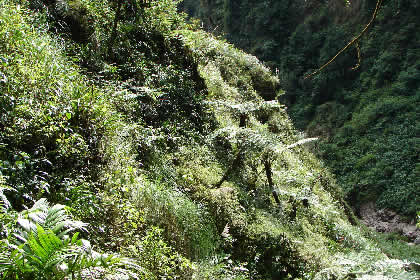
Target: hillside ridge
x: 150, y: 149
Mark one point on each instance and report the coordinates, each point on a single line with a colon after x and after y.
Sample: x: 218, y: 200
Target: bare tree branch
x: 354, y: 41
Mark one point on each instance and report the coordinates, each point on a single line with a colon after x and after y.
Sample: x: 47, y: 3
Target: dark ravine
x: 365, y: 117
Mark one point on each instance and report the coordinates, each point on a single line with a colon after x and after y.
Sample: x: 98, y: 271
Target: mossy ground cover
x: 169, y: 143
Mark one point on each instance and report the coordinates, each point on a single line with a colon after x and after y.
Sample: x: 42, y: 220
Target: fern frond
x: 53, y: 218
x: 26, y: 225
x: 41, y: 205
x: 46, y: 250
x: 58, y: 228
x: 247, y: 107
x: 57, y: 219
x: 49, y: 240
x: 3, y: 199
x: 281, y: 148
x: 4, y: 202
x: 37, y: 214
x: 301, y: 142
x: 12, y: 261
x: 55, y: 215
x: 42, y: 249
x: 36, y: 248
x: 74, y: 238
x: 251, y: 139
x: 5, y: 260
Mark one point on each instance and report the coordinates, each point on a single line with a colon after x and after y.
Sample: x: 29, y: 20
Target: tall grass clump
x: 187, y: 224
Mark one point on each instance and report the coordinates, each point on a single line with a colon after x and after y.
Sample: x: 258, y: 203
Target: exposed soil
x: 388, y: 221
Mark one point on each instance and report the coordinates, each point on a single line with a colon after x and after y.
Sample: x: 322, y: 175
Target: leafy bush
x: 158, y: 259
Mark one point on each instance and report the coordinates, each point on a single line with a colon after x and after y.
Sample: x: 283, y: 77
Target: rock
x: 387, y: 215
x: 413, y: 267
x: 350, y: 276
x: 380, y: 227
x: 385, y: 220
x: 411, y: 235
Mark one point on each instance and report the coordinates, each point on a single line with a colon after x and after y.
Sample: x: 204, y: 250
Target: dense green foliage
x: 170, y: 148
x: 367, y: 118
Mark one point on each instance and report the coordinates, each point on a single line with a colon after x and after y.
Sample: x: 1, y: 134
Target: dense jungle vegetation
x: 135, y: 145
x: 367, y: 118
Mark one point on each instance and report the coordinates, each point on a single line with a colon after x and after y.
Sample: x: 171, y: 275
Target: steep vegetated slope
x: 367, y: 118
x: 170, y: 148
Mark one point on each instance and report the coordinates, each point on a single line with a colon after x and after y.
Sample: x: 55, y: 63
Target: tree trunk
x: 114, y: 29
x: 232, y: 168
x: 269, y: 174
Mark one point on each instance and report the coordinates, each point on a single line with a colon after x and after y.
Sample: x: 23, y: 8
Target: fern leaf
x: 301, y: 142
x: 58, y: 228
x: 26, y: 225
x: 37, y: 249
x: 42, y: 204
x: 38, y: 212
x: 4, y: 260
x: 43, y: 246
x: 72, y: 227
x: 55, y: 215
x: 5, y: 203
x: 77, y: 225
x: 74, y: 238
x: 47, y: 251
x: 37, y: 216
x: 49, y: 241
